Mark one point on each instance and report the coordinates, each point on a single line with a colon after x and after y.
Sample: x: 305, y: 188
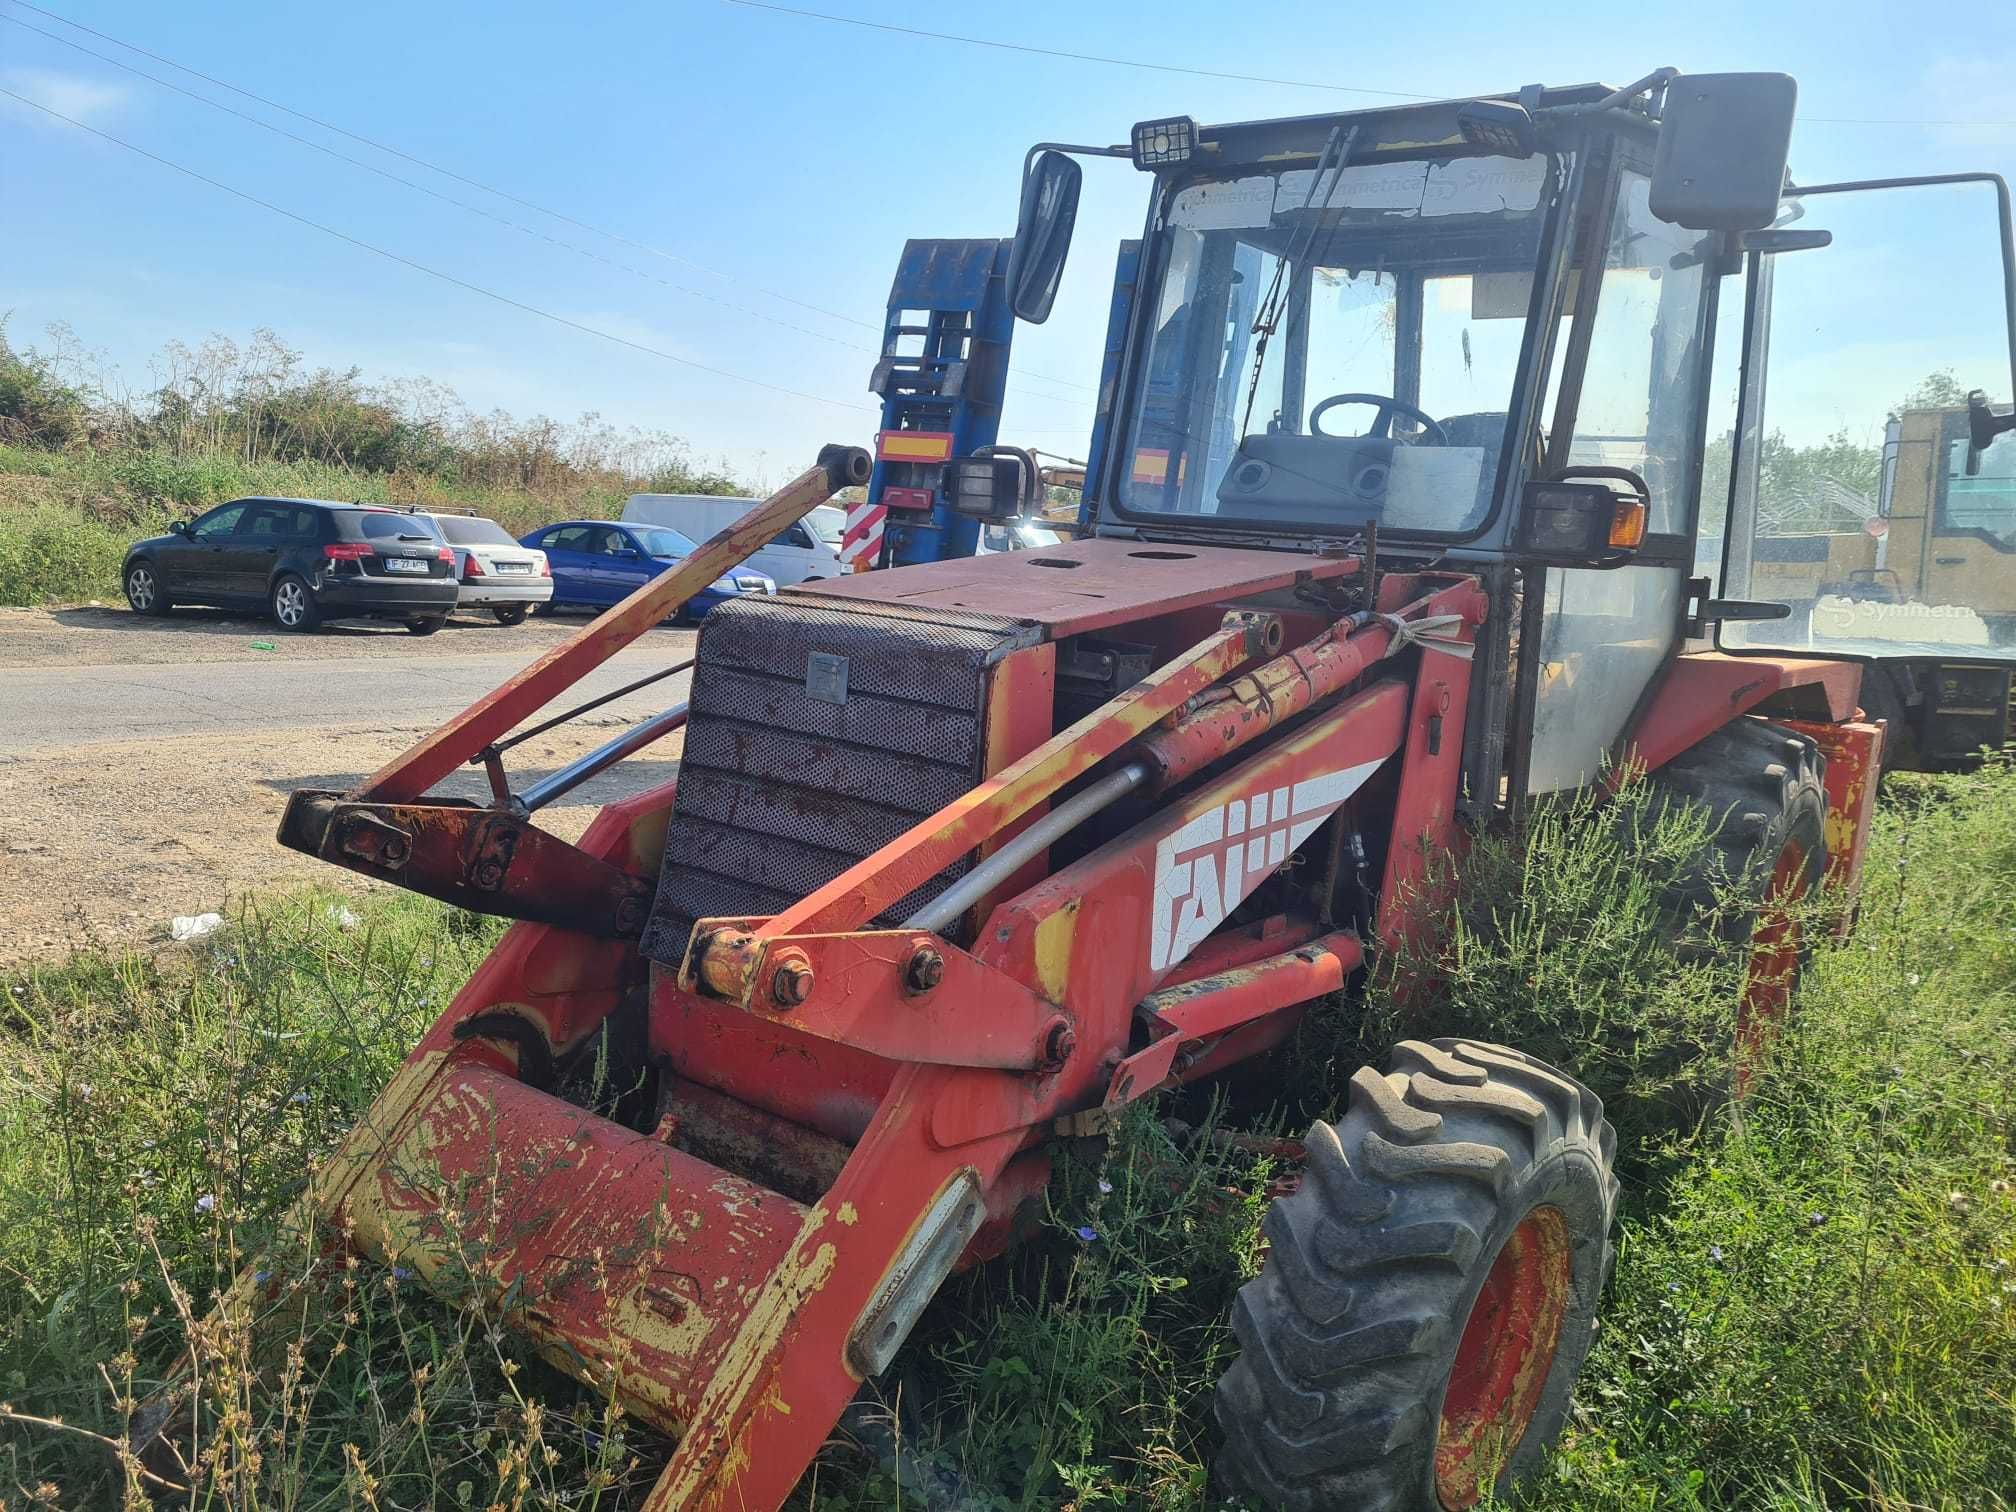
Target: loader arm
x: 495, y: 860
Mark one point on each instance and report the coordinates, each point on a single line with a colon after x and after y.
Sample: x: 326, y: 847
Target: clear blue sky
x: 787, y: 153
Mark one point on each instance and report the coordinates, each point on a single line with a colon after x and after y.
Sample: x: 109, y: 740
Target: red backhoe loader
x: 962, y: 857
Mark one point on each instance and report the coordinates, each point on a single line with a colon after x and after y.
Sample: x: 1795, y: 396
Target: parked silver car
x: 492, y: 571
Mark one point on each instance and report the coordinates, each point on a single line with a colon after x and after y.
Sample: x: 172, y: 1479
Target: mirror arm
x: 1074, y: 149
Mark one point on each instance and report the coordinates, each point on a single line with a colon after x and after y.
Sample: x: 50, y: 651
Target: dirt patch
x: 105, y: 843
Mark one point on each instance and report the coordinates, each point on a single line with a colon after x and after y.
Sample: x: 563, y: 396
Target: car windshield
x: 385, y: 526
x: 661, y: 542
x: 463, y: 530
x: 1331, y: 348
x: 828, y: 523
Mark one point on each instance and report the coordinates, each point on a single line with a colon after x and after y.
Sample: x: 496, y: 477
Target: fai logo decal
x: 1206, y: 869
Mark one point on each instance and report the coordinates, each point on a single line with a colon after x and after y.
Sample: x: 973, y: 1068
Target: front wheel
x: 143, y: 589
x: 426, y: 626
x: 509, y: 614
x: 293, y: 606
x: 1430, y: 1288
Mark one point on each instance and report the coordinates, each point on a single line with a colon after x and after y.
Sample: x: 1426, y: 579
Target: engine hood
x: 1080, y: 586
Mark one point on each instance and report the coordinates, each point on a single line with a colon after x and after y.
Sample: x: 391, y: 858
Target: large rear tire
x: 1763, y: 786
x: 1430, y: 1288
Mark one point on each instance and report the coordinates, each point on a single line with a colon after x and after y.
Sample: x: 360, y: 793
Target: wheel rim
x: 288, y: 604
x: 1774, y: 961
x: 140, y: 589
x: 1505, y: 1358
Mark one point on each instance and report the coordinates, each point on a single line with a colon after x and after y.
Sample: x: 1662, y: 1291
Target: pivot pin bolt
x: 925, y: 970
x: 791, y: 983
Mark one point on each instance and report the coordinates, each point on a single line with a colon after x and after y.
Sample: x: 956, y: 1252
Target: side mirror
x: 1043, y: 235
x: 1723, y: 139
x: 180, y: 527
x: 1983, y: 426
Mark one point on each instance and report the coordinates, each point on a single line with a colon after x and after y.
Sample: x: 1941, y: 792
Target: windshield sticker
x: 1224, y: 207
x: 1468, y: 186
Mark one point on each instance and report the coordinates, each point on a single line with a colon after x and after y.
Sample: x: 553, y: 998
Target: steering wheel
x: 1382, y: 423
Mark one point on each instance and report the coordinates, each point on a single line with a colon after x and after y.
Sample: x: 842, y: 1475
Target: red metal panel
x: 1424, y: 810
x: 1087, y: 585
x: 830, y: 1087
x: 1101, y: 934
x: 1702, y: 691
x: 1021, y: 715
x: 1854, y: 755
x: 902, y: 994
x: 579, y: 1217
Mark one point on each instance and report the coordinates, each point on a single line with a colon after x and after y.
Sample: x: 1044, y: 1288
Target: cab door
x: 1631, y: 379
x: 1853, y: 494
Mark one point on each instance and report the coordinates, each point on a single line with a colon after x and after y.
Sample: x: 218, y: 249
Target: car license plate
x: 514, y: 566
x: 404, y: 564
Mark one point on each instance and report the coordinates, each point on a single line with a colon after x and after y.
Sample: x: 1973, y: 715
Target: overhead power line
x: 432, y: 167
x: 1076, y: 57
x: 1214, y: 73
x: 419, y: 188
x: 464, y: 205
x: 431, y: 272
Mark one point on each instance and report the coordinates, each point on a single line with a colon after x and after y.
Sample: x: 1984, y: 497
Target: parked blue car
x: 597, y: 563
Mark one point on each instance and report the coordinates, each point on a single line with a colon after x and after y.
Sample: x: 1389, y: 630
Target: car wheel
x: 509, y: 614
x: 426, y: 626
x: 293, y: 606
x: 143, y: 590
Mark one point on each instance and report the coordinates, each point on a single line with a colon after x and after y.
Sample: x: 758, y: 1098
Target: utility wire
x: 421, y: 162
x: 420, y: 267
x: 432, y: 193
x: 478, y: 210
x: 1213, y: 73
x: 1076, y: 57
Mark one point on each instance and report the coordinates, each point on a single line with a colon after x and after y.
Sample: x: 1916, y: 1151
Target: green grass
x: 1814, y: 1305
x: 66, y: 518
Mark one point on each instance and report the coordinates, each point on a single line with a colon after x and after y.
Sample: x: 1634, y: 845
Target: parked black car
x: 302, y: 560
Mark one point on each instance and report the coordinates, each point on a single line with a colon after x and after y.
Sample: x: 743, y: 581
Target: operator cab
x: 1499, y: 333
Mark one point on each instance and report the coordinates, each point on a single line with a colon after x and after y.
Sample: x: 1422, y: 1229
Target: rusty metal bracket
x: 1192, y: 1012
x: 903, y: 994
x: 477, y: 858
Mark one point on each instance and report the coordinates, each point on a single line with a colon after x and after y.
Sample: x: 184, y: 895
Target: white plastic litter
x: 185, y: 927
x: 343, y: 917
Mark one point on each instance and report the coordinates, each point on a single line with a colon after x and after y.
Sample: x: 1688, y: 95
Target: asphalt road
x: 214, y: 680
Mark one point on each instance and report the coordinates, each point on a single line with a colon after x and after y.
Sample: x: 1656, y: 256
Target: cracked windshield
x: 1863, y: 507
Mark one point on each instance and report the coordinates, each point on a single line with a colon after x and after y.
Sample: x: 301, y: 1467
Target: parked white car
x: 802, y: 553
x: 492, y: 571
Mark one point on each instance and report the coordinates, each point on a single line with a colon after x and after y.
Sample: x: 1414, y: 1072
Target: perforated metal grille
x: 780, y: 791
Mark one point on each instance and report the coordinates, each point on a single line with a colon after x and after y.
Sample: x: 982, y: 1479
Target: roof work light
x: 1164, y: 143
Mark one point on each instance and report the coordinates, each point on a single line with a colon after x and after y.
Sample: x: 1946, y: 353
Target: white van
x: 804, y: 552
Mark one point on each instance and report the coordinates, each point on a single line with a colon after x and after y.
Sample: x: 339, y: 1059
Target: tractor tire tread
x: 1760, y: 783
x: 1347, y: 1333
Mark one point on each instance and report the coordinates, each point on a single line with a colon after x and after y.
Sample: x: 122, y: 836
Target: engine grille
x: 781, y: 789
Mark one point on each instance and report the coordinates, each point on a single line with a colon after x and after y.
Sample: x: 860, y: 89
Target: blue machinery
x: 943, y: 375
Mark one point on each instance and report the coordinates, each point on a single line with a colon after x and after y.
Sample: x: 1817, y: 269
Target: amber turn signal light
x: 1627, y: 525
